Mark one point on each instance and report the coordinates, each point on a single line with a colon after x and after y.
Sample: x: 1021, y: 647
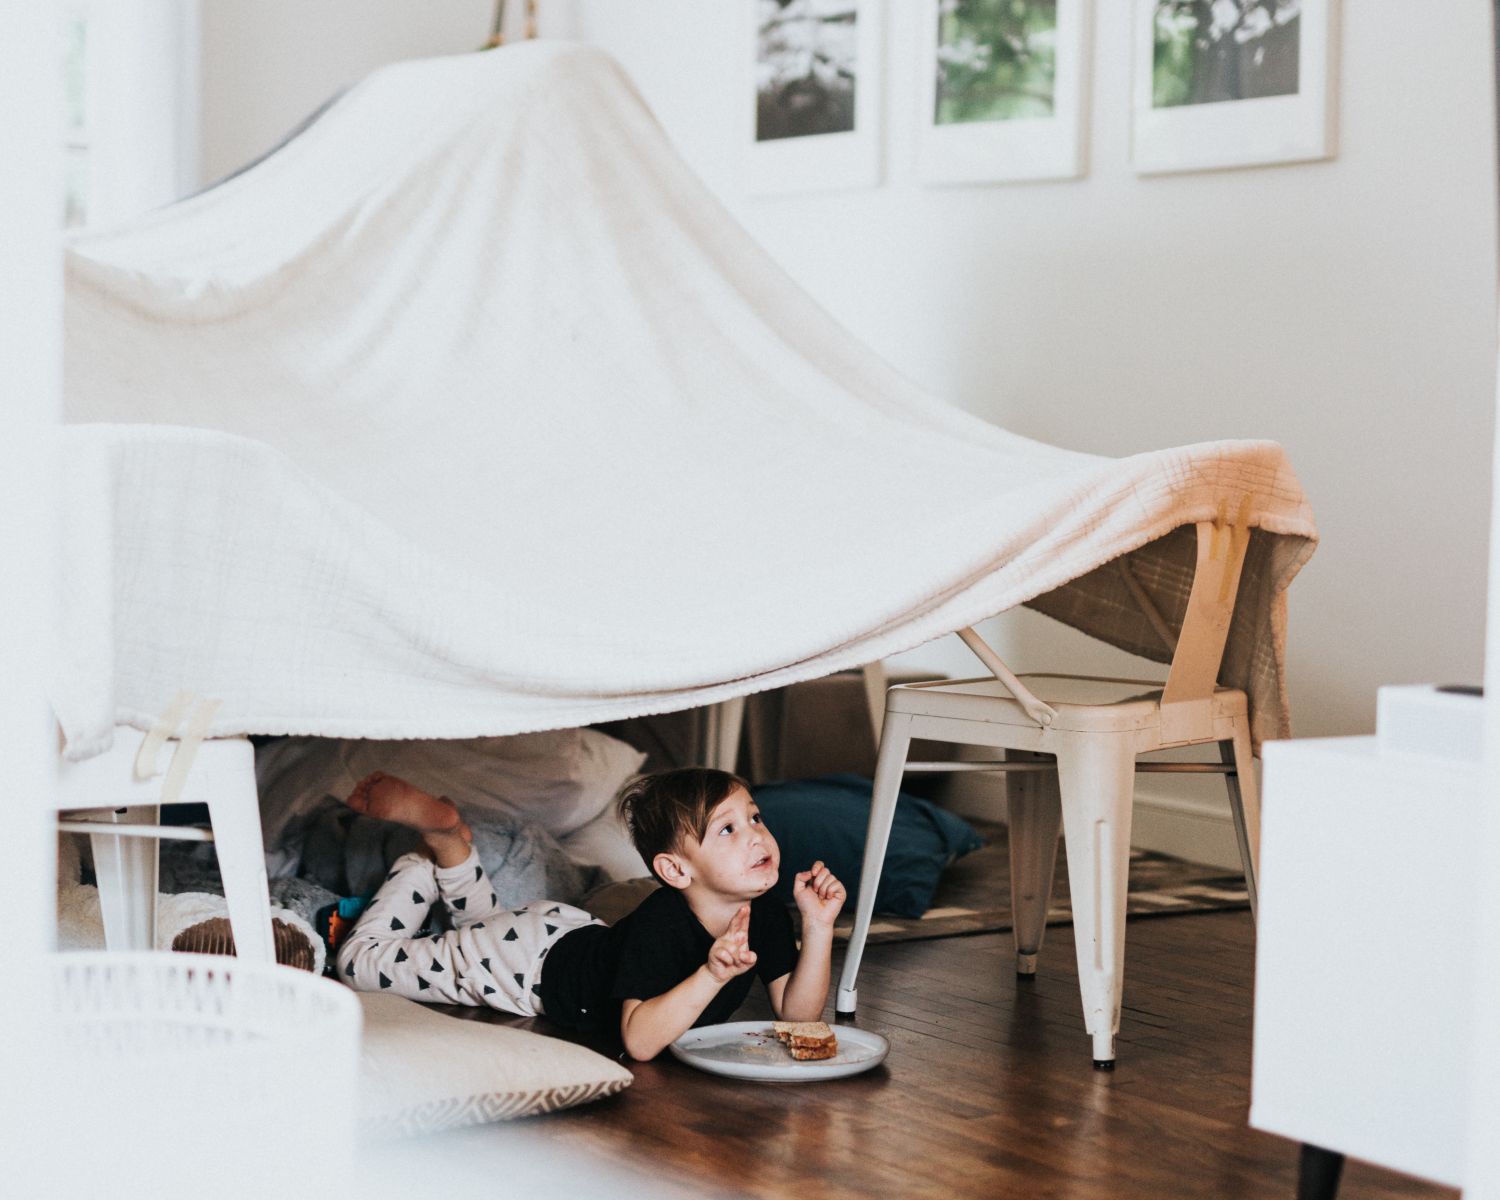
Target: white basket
x: 201, y: 1075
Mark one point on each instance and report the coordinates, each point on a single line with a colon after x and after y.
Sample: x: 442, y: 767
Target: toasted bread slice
x: 813, y: 1030
x: 807, y: 1040
x: 812, y: 1053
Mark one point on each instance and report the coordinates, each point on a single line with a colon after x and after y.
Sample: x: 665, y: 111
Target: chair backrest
x: 1186, y: 701
x: 1197, y: 650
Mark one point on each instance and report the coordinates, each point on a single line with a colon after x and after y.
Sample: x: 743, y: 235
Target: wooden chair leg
x: 1034, y: 815
x: 895, y: 739
x: 1096, y: 775
x: 1244, y: 805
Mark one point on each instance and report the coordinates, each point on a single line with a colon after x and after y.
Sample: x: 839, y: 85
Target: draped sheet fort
x: 470, y: 411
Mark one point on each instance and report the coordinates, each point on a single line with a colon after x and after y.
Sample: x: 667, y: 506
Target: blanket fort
x: 470, y: 411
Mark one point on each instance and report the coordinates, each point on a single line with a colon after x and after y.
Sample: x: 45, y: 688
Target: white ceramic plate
x: 749, y: 1050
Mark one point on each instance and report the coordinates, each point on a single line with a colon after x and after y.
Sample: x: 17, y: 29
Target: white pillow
x: 605, y: 843
x: 422, y: 1071
x: 560, y: 779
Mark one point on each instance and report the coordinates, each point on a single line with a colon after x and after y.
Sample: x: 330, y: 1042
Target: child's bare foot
x: 389, y: 798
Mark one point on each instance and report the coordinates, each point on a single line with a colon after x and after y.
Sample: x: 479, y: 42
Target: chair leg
x: 895, y: 739
x: 723, y: 723
x: 234, y: 811
x: 1034, y: 815
x: 1244, y: 804
x: 1096, y: 775
x: 126, y: 871
x: 1318, y: 1173
x: 875, y: 688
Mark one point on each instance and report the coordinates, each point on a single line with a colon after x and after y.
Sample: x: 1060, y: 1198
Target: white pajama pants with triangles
x: 492, y: 955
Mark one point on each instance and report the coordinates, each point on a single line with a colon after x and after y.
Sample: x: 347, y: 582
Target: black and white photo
x: 807, y: 67
x: 811, y: 94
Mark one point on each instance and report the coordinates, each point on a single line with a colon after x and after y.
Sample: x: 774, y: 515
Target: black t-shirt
x: 590, y: 971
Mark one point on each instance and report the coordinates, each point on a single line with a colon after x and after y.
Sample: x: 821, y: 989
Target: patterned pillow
x: 828, y: 817
x: 422, y: 1071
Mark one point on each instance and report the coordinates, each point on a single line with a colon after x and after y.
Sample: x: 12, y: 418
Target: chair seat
x: 1084, y: 703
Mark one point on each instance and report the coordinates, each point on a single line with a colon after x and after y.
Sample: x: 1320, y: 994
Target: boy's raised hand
x: 730, y: 955
x: 818, y: 893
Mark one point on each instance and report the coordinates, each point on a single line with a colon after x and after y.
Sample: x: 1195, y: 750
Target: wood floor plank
x: 988, y: 1090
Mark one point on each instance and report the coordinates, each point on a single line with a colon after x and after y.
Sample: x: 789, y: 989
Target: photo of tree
x: 996, y: 60
x: 806, y: 67
x: 1209, y: 51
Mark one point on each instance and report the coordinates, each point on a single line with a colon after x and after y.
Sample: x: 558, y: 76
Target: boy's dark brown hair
x: 663, y: 810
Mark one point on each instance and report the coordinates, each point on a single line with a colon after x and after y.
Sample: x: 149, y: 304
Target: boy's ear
x: 672, y: 870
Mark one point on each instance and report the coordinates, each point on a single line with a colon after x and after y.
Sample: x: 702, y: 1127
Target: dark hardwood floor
x: 988, y: 1090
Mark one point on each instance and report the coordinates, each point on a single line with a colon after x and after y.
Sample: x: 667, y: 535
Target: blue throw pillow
x: 827, y: 818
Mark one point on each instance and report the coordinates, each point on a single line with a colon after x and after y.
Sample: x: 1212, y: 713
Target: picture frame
x: 1233, y: 85
x: 1003, y: 90
x: 813, y: 93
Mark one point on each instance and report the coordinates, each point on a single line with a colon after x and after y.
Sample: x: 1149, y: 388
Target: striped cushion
x: 422, y: 1071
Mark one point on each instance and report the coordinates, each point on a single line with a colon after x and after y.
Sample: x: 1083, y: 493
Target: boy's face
x: 737, y: 858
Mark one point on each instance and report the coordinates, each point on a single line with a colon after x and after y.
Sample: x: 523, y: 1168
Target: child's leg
x: 467, y: 892
x: 382, y: 952
x: 500, y: 951
x: 492, y: 956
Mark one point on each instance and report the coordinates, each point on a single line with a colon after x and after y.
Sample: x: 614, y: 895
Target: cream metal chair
x: 116, y: 798
x: 1095, y: 729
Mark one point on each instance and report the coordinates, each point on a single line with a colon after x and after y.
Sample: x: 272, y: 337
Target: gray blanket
x: 343, y: 853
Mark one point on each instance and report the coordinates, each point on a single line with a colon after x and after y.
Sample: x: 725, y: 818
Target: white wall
x: 1482, y: 1181
x: 31, y: 389
x: 31, y: 214
x: 268, y: 64
x: 1345, y: 309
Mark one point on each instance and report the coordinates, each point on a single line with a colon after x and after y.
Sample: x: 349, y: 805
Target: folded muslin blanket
x: 471, y: 412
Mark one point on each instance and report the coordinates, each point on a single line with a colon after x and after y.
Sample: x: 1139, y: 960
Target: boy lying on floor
x: 680, y: 960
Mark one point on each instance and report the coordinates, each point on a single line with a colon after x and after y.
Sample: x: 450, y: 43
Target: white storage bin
x: 199, y: 1075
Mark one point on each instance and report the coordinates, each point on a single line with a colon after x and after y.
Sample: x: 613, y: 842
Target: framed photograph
x: 1233, y: 83
x: 814, y: 94
x: 1003, y: 90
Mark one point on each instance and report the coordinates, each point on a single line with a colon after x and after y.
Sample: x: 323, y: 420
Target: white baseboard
x: 1186, y: 817
x: 1195, y: 827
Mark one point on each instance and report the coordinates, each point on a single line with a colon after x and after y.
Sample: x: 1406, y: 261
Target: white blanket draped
x: 470, y: 411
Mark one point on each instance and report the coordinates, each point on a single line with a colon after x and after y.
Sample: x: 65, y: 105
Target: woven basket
x: 216, y: 936
x: 192, y: 1075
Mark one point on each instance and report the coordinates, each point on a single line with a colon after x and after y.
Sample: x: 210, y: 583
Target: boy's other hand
x: 731, y: 955
x: 819, y: 894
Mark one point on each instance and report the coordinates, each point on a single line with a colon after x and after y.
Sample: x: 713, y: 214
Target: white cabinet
x: 1364, y: 951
